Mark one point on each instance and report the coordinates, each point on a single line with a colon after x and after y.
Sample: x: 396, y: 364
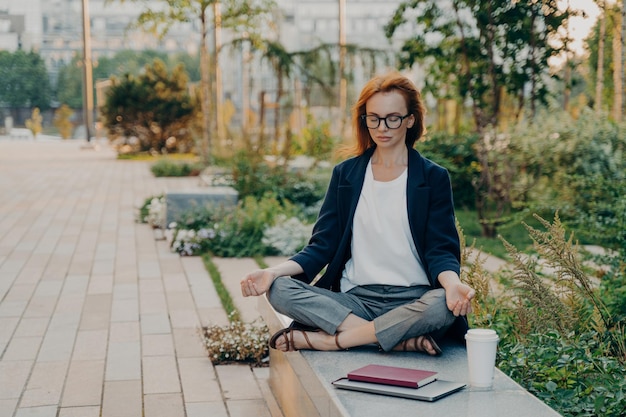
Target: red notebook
x: 392, y: 375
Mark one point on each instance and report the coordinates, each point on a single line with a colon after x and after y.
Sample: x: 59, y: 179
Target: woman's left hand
x: 459, y: 298
x: 458, y: 295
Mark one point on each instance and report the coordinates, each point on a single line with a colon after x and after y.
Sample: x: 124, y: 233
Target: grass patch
x: 222, y: 292
x: 514, y: 233
x: 147, y: 156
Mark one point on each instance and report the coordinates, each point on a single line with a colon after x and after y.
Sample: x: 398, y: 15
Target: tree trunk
x: 618, y: 70
x: 600, y: 67
x: 623, y: 54
x: 343, y: 83
x: 205, y: 92
x: 217, y: 98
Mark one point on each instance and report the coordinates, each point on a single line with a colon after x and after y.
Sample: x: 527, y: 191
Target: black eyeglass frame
x: 365, y: 116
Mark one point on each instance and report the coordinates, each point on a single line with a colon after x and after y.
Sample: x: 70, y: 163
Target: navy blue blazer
x: 431, y: 219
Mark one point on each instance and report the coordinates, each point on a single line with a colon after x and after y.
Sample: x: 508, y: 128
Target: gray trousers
x: 398, y: 313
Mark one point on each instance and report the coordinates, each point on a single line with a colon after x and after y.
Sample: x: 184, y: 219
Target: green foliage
x: 456, y: 154
x: 155, y: 107
x: 611, y: 16
x: 222, y: 292
x: 25, y: 81
x: 315, y: 140
x: 564, y: 299
x: 613, y: 284
x: 231, y: 233
x: 167, y: 168
x: 478, y: 50
x: 570, y: 373
x: 69, y: 81
x: 69, y: 88
x: 254, y: 177
x: 560, y: 337
x: 580, y: 170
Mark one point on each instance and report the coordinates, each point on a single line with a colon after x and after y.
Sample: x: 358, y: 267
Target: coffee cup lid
x: 481, y: 334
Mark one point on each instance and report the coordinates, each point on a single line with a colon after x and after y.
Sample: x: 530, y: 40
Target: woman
x: 386, y: 234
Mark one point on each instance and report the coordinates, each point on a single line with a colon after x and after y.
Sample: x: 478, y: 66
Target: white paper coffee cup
x: 481, y: 356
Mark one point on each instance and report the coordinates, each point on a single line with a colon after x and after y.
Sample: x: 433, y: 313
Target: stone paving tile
x: 199, y: 380
x: 14, y: 377
x: 164, y: 405
x: 238, y: 382
x: 83, y: 386
x: 22, y: 349
x: 80, y: 412
x: 247, y: 408
x: 188, y: 344
x: 45, y: 384
x: 157, y: 345
x: 7, y: 407
x: 205, y: 409
x: 31, y: 327
x: 7, y: 328
x: 155, y: 323
x: 122, y: 399
x: 90, y: 345
x: 96, y: 312
x: 160, y: 375
x: 123, y: 361
x: 47, y: 411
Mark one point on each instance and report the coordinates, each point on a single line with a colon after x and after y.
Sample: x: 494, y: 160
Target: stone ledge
x: 180, y: 201
x: 301, y: 383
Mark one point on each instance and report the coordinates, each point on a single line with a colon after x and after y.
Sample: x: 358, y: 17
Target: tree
x: 69, y: 90
x: 25, y: 81
x: 154, y: 106
x: 69, y: 82
x: 34, y: 123
x: 242, y: 16
x: 600, y: 62
x: 62, y: 121
x: 484, y: 50
x: 605, y: 64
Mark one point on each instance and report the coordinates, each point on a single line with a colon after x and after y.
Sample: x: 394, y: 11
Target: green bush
x: 231, y: 233
x: 456, y: 154
x: 571, y: 374
x: 254, y: 177
x: 167, y: 168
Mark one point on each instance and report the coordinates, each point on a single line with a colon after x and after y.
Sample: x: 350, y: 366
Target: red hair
x: 393, y: 81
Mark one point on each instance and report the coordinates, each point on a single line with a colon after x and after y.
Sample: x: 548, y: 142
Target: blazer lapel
x: 417, y: 199
x: 349, y: 190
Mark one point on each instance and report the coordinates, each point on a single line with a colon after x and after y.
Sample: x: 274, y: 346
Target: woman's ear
x: 411, y: 121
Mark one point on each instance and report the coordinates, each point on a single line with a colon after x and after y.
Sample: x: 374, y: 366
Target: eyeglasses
x: 392, y: 122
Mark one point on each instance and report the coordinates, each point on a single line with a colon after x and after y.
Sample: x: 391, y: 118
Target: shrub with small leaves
x: 237, y: 342
x: 153, y: 212
x: 287, y: 236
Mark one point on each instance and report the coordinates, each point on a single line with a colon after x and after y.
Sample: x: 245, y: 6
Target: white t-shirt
x: 383, y: 251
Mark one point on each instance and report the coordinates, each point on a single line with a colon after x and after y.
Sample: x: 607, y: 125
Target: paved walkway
x: 97, y: 318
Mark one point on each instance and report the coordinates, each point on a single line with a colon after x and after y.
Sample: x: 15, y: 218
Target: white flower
x: 287, y: 236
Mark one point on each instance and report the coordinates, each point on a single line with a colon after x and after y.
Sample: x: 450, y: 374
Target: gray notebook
x: 429, y: 392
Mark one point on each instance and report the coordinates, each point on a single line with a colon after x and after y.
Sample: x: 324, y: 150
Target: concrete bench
x: 301, y: 383
x: 181, y: 201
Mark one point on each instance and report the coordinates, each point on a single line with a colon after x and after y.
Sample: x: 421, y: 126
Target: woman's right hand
x: 257, y: 282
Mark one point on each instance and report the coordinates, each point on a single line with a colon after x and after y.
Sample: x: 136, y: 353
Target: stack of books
x: 417, y: 384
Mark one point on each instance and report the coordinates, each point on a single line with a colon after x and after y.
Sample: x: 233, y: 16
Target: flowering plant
x: 237, y: 342
x: 287, y: 236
